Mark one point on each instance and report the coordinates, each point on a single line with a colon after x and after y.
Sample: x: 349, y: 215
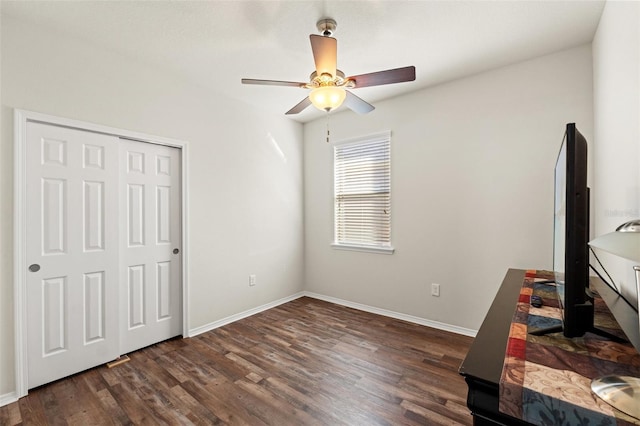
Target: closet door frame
x: 21, y: 118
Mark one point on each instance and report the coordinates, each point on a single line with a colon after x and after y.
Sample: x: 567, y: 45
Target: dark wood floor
x: 306, y: 362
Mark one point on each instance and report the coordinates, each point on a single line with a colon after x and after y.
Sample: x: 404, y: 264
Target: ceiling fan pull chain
x: 327, y: 126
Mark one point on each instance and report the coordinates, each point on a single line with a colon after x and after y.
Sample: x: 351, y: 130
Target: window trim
x: 350, y: 246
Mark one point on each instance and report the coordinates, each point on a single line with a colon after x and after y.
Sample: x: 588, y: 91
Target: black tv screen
x: 571, y: 234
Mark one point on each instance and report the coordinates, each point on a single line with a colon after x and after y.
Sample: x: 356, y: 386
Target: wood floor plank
x: 112, y: 408
x: 31, y: 409
x: 87, y: 409
x: 306, y: 362
x: 54, y: 399
x: 199, y: 414
x: 228, y: 402
x: 313, y: 402
x: 11, y: 415
x: 276, y: 410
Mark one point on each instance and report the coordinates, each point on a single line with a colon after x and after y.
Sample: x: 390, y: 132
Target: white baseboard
x: 239, y: 316
x: 8, y: 398
x: 396, y: 315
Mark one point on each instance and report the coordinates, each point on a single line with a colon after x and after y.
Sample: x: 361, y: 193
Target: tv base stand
x: 594, y: 330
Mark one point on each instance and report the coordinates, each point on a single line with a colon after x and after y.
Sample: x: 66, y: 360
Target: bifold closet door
x: 72, y: 251
x: 151, y: 272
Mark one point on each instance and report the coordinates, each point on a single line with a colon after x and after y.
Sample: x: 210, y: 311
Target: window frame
x: 386, y: 248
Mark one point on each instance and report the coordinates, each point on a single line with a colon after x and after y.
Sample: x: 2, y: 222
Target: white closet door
x: 151, y: 284
x: 71, y: 247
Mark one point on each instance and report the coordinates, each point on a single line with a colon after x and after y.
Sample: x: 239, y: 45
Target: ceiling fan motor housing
x: 326, y: 26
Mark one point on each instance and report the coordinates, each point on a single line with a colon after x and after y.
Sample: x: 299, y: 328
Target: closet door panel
x: 72, y: 249
x: 151, y: 210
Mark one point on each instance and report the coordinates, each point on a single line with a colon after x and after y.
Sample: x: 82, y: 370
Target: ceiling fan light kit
x: 328, y: 84
x: 327, y: 98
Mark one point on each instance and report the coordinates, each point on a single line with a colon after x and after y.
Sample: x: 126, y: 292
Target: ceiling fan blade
x: 379, y: 78
x: 357, y: 104
x: 301, y: 106
x: 273, y: 82
x: 325, y: 54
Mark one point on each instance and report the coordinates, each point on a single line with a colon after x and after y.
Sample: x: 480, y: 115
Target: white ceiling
x: 216, y: 43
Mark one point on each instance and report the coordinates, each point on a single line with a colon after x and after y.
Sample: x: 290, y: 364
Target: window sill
x: 368, y: 249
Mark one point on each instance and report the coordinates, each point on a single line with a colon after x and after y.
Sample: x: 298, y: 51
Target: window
x: 362, y: 194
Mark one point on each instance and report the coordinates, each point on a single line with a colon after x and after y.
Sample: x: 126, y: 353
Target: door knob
x: 176, y: 251
x: 34, y: 267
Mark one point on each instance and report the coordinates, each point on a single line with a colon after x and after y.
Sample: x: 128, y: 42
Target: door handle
x: 34, y: 267
x: 176, y: 251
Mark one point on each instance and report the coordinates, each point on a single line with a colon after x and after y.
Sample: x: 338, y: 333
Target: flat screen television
x: 570, y: 240
x: 571, y: 234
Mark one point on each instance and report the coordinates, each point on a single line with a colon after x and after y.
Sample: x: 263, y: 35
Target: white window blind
x: 362, y: 190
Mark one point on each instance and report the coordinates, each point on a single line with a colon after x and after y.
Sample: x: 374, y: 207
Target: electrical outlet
x: 252, y: 280
x: 435, y: 290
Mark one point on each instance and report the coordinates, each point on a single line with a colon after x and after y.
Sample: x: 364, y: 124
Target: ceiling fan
x: 328, y: 84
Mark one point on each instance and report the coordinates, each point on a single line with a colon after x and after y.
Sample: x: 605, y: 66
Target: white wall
x: 616, y: 92
x: 472, y: 188
x: 245, y: 168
